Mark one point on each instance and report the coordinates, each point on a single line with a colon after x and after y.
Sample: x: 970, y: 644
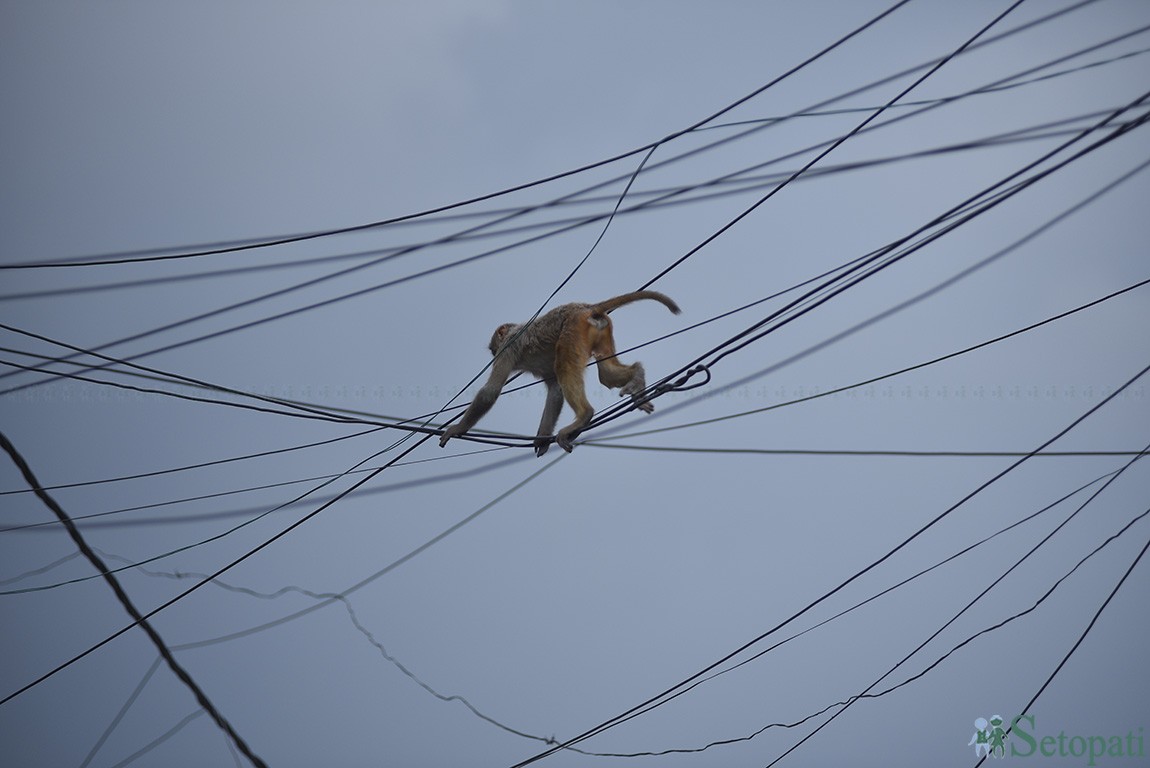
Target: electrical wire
x: 861, y: 453
x: 425, y: 273
x: 138, y: 618
x: 829, y: 290
x: 109, y: 259
x: 840, y: 705
x: 199, y: 465
x: 838, y: 390
x: 738, y: 183
x: 975, y: 600
x: 657, y: 700
x: 112, y: 726
x: 1081, y: 637
x: 602, y: 441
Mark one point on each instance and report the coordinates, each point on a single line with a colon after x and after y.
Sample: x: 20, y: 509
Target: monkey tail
x: 627, y: 298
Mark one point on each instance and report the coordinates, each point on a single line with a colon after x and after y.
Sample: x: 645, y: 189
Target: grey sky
x: 615, y: 573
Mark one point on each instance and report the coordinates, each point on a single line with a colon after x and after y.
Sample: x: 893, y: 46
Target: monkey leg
x: 551, y: 411
x: 628, y: 379
x: 569, y: 372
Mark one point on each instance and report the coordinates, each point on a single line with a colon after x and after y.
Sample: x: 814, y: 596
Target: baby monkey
x: 556, y: 348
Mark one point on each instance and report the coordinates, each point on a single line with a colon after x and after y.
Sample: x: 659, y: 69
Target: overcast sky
x: 578, y: 586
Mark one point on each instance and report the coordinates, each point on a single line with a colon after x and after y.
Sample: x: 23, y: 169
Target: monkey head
x: 502, y: 333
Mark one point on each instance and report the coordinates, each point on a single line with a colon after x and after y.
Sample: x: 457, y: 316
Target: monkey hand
x: 541, y: 445
x: 453, y: 431
x: 635, y: 388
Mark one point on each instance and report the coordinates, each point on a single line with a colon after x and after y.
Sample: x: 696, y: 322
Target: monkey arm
x: 551, y: 411
x: 500, y: 371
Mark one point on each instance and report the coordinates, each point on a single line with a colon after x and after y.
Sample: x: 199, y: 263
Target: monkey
x: 556, y: 348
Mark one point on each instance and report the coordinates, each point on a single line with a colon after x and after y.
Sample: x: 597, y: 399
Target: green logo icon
x: 989, y: 738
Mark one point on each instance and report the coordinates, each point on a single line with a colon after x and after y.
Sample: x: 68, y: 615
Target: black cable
x: 195, y: 399
x: 199, y: 465
x: 135, y: 694
x: 250, y: 245
x: 829, y: 290
x: 223, y: 569
x: 909, y: 680
x: 658, y: 699
x: 837, y: 143
x: 974, y: 601
x: 911, y: 302
x: 187, y: 720
x: 262, y: 511
x: 37, y: 571
x: 187, y: 380
x: 840, y: 453
x: 601, y: 441
x: 1081, y: 637
x: 735, y: 183
x: 838, y: 390
x: 424, y: 273
x: 137, y: 617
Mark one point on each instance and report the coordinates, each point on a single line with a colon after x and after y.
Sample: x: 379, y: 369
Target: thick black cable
x: 656, y: 700
x: 326, y: 598
x: 217, y: 573
x: 137, y: 617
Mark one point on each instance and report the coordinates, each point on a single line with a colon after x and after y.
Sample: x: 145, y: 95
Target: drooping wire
x: 1081, y: 638
x: 660, y: 698
x: 1034, y: 233
x: 602, y: 441
x: 135, y: 694
x: 909, y: 680
x: 1018, y: 563
x: 730, y: 184
x: 250, y: 245
x: 470, y: 259
x: 840, y: 283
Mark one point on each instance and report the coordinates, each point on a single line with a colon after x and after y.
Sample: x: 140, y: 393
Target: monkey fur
x: 556, y: 348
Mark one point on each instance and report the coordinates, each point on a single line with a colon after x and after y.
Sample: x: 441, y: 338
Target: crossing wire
x: 661, y: 698
x: 488, y: 196
x: 122, y: 596
x: 369, y: 289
